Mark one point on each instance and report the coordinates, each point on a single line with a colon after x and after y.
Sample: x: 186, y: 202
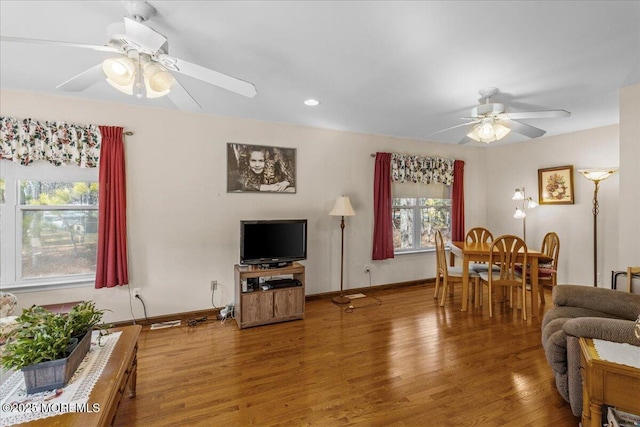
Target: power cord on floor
x: 193, y: 322
x: 351, y: 308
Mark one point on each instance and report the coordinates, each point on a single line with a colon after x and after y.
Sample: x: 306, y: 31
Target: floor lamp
x: 596, y: 175
x: 527, y: 203
x: 342, y: 208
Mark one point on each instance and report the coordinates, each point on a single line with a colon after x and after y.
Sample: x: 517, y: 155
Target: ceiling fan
x: 141, y: 64
x: 491, y: 123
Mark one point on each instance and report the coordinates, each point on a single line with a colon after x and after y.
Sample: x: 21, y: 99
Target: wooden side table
x: 606, y: 383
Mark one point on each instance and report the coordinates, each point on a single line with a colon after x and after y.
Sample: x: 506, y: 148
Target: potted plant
x: 48, y: 347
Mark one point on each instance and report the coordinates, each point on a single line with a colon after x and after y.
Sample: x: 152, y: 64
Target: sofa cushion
x: 555, y: 350
x: 623, y: 306
x: 616, y: 330
x: 565, y: 312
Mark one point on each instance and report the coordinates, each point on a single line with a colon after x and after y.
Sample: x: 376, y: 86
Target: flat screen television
x: 273, y: 243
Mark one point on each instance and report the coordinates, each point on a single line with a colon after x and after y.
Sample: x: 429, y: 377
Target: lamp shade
x: 157, y: 80
x: 519, y: 214
x: 597, y: 174
x: 121, y: 73
x: 342, y: 207
x: 518, y: 195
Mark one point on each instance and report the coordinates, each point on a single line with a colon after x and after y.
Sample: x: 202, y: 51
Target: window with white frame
x: 48, y: 223
x: 418, y: 212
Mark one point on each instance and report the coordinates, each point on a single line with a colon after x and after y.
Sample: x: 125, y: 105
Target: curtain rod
x: 127, y: 133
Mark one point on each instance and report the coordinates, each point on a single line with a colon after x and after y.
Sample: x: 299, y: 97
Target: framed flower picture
x: 555, y: 185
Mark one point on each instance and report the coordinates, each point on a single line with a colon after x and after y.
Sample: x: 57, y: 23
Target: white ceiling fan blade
x: 456, y: 126
x: 548, y: 114
x: 465, y: 140
x: 145, y: 37
x: 525, y: 129
x: 83, y: 80
x: 210, y: 76
x: 59, y: 43
x: 181, y: 98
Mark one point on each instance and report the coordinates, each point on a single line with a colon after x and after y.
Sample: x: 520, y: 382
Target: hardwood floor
x: 404, y: 362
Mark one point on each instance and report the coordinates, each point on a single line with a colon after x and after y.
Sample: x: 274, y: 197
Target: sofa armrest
x: 616, y: 330
x: 624, y: 305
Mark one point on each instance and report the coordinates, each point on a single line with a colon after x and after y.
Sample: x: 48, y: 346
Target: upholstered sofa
x: 584, y: 311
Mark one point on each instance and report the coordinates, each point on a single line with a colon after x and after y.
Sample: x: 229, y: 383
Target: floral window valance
x: 421, y: 169
x: 25, y: 141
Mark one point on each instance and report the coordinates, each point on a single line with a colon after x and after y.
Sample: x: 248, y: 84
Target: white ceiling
x: 396, y: 68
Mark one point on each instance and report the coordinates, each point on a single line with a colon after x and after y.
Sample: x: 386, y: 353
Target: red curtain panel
x: 382, y: 206
x: 112, y: 269
x: 457, y: 202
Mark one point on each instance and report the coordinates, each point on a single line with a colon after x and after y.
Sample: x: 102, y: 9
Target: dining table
x: 479, y: 252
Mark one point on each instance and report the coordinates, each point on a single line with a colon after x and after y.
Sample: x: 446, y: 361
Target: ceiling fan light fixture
x: 157, y: 80
x: 121, y: 73
x: 500, y: 131
x: 121, y: 70
x: 488, y: 131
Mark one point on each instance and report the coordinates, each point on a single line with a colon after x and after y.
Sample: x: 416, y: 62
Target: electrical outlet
x: 136, y: 292
x: 214, y: 285
x: 366, y: 268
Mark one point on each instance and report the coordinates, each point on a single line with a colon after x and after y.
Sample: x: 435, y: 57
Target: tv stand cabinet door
x: 288, y: 303
x: 257, y: 308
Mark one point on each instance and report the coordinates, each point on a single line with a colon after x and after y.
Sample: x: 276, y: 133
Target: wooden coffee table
x: 121, y: 369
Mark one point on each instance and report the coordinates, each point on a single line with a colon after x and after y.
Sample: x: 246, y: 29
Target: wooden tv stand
x: 262, y: 307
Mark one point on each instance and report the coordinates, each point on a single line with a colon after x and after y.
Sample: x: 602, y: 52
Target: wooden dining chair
x: 504, y: 253
x: 631, y: 271
x: 548, y: 271
x: 479, y: 235
x: 448, y: 275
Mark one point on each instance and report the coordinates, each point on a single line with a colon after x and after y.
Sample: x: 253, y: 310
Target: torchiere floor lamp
x: 342, y: 208
x: 596, y: 175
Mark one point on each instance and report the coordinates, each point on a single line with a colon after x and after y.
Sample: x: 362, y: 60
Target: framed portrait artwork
x: 260, y: 168
x: 555, y: 185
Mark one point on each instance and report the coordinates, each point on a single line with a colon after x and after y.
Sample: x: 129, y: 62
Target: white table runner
x: 20, y: 407
x: 621, y: 353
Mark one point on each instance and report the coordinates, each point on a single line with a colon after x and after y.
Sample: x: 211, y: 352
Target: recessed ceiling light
x: 311, y: 102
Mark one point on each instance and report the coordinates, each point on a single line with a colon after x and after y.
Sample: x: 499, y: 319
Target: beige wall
x: 517, y: 165
x: 629, y: 211
x: 184, y: 227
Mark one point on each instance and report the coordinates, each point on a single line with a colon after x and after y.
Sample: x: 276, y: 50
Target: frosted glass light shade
x: 519, y: 214
x: 342, y: 207
x: 518, y: 195
x: 121, y: 73
x: 488, y: 131
x: 597, y: 175
x: 157, y: 80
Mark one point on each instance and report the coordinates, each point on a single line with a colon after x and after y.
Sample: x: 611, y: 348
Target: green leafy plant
x: 83, y: 317
x: 43, y: 335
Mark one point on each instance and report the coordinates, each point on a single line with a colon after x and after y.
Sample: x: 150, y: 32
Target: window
x: 418, y: 212
x: 49, y: 224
